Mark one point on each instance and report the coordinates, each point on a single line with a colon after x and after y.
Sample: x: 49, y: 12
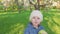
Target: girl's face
x: 35, y: 20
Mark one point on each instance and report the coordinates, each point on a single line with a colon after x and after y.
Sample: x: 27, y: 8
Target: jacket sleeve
x: 26, y: 31
x: 42, y: 28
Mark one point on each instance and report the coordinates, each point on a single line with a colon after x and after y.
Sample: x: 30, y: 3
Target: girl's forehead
x: 36, y: 16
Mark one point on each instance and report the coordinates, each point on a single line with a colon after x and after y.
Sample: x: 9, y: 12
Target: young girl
x: 34, y: 26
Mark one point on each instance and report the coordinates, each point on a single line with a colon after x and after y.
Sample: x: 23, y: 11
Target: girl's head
x: 36, y: 17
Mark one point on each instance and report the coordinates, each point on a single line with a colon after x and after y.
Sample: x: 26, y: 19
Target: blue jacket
x: 31, y: 30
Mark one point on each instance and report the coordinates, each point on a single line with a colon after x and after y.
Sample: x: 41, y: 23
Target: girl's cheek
x: 33, y: 20
x: 38, y: 21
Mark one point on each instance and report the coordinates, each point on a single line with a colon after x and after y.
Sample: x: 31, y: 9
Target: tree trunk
x: 16, y: 1
x: 38, y: 1
x: 36, y: 5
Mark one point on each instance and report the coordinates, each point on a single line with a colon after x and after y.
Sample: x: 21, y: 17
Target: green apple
x: 42, y: 32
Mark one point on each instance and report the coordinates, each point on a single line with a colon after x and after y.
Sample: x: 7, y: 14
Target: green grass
x: 15, y: 23
x: 9, y: 21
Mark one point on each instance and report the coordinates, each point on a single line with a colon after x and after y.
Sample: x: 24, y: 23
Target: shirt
x: 32, y: 30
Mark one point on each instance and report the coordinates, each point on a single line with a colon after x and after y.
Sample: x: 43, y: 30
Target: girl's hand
x: 42, y: 32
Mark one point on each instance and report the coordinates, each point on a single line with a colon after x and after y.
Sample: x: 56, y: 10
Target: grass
x: 15, y: 23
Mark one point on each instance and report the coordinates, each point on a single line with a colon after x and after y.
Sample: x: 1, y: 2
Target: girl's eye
x: 33, y: 17
x: 38, y: 18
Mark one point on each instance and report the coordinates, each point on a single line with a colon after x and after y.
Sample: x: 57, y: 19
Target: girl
x: 34, y: 26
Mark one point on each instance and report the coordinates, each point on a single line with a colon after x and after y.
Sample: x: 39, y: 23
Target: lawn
x: 15, y: 23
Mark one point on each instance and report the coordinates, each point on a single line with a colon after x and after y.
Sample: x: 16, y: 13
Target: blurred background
x: 14, y: 15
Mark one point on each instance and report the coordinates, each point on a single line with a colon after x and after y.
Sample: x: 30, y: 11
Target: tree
x: 35, y: 4
x: 19, y: 4
x: 6, y: 4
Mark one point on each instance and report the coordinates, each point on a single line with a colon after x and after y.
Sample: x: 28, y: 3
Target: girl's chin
x: 36, y: 24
